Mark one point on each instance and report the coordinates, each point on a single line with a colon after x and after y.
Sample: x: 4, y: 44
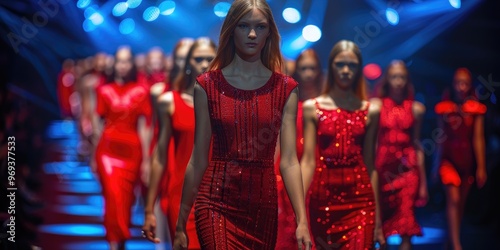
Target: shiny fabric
x: 286, y: 216
x: 397, y: 166
x: 236, y: 206
x: 118, y: 154
x: 457, y: 160
x: 182, y: 122
x: 341, y: 199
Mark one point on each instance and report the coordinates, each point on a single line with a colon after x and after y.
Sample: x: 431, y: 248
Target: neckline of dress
x: 247, y: 90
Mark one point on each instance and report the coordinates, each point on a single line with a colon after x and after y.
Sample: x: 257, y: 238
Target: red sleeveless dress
x: 119, y: 154
x: 286, y: 216
x: 236, y: 206
x: 397, y: 166
x: 182, y: 122
x: 457, y: 160
x: 341, y: 199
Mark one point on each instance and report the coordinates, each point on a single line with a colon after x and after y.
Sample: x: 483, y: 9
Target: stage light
x: 127, y: 26
x: 291, y: 15
x: 88, y: 26
x: 456, y: 3
x: 392, y: 16
x: 134, y: 3
x: 151, y: 13
x: 221, y: 9
x: 372, y: 71
x: 96, y: 18
x: 167, y: 7
x: 83, y: 3
x: 90, y: 11
x: 311, y: 33
x: 120, y: 9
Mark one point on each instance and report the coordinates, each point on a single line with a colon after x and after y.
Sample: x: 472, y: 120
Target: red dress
x: 182, y: 122
x: 341, y: 199
x: 286, y: 216
x: 457, y: 160
x: 397, y: 166
x: 236, y: 206
x: 119, y: 154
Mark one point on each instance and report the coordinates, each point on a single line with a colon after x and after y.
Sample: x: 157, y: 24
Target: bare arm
x: 308, y: 161
x: 418, y: 113
x: 369, y: 159
x: 479, y: 150
x: 198, y: 162
x: 290, y: 169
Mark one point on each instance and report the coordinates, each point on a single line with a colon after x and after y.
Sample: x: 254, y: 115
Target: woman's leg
x: 453, y: 201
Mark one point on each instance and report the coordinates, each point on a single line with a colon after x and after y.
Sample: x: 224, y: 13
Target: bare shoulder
x: 375, y: 101
x: 418, y: 108
x: 157, y: 89
x: 373, y: 108
x: 166, y: 98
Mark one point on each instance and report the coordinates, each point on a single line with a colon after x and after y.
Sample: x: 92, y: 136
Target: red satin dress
x: 341, y: 199
x: 236, y: 206
x: 286, y: 216
x: 182, y: 122
x: 397, y: 166
x: 65, y: 89
x: 457, y: 160
x: 119, y: 154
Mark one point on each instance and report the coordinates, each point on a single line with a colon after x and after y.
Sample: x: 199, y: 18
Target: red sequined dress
x: 457, y: 160
x: 341, y: 199
x: 236, y: 206
x: 182, y: 122
x: 397, y: 166
x: 119, y: 154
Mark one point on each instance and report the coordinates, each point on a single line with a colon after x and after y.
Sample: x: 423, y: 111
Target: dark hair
x: 185, y: 79
x: 359, y: 86
x: 175, y: 68
x: 312, y: 53
x: 450, y: 94
x: 383, y: 86
x: 132, y: 74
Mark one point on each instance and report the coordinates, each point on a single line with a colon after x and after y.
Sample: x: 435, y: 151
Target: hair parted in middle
x: 270, y: 55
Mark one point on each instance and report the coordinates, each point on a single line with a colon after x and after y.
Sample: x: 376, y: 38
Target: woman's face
x: 462, y: 83
x: 250, y: 35
x: 123, y: 63
x: 345, y: 66
x: 181, y: 53
x: 307, y: 70
x: 397, y: 77
x: 201, y: 58
x: 156, y: 61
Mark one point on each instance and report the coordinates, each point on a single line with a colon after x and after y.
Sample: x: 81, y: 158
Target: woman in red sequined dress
x: 308, y: 74
x: 462, y: 151
x: 176, y: 122
x: 241, y: 105
x: 342, y: 125
x: 125, y: 108
x: 399, y: 155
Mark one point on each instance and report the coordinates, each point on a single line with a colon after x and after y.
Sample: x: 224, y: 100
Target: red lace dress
x: 236, y: 206
x: 119, y: 154
x: 341, y: 199
x: 397, y: 166
x: 286, y: 216
x: 457, y: 160
x: 182, y: 122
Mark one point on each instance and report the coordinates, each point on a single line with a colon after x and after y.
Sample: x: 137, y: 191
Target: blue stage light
x: 134, y: 3
x: 167, y: 7
x: 392, y: 16
x: 311, y: 33
x: 74, y: 229
x: 90, y: 11
x: 221, y: 9
x: 83, y: 3
x: 456, y: 3
x: 291, y: 15
x: 96, y: 18
x: 88, y: 25
x: 127, y: 26
x: 151, y: 13
x: 120, y: 9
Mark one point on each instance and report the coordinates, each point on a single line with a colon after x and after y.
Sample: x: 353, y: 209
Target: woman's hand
x: 481, y: 177
x: 149, y: 228
x: 303, y: 237
x: 423, y: 196
x: 378, y: 237
x: 181, y: 240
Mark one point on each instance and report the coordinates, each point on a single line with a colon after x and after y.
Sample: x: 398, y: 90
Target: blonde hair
x: 270, y: 55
